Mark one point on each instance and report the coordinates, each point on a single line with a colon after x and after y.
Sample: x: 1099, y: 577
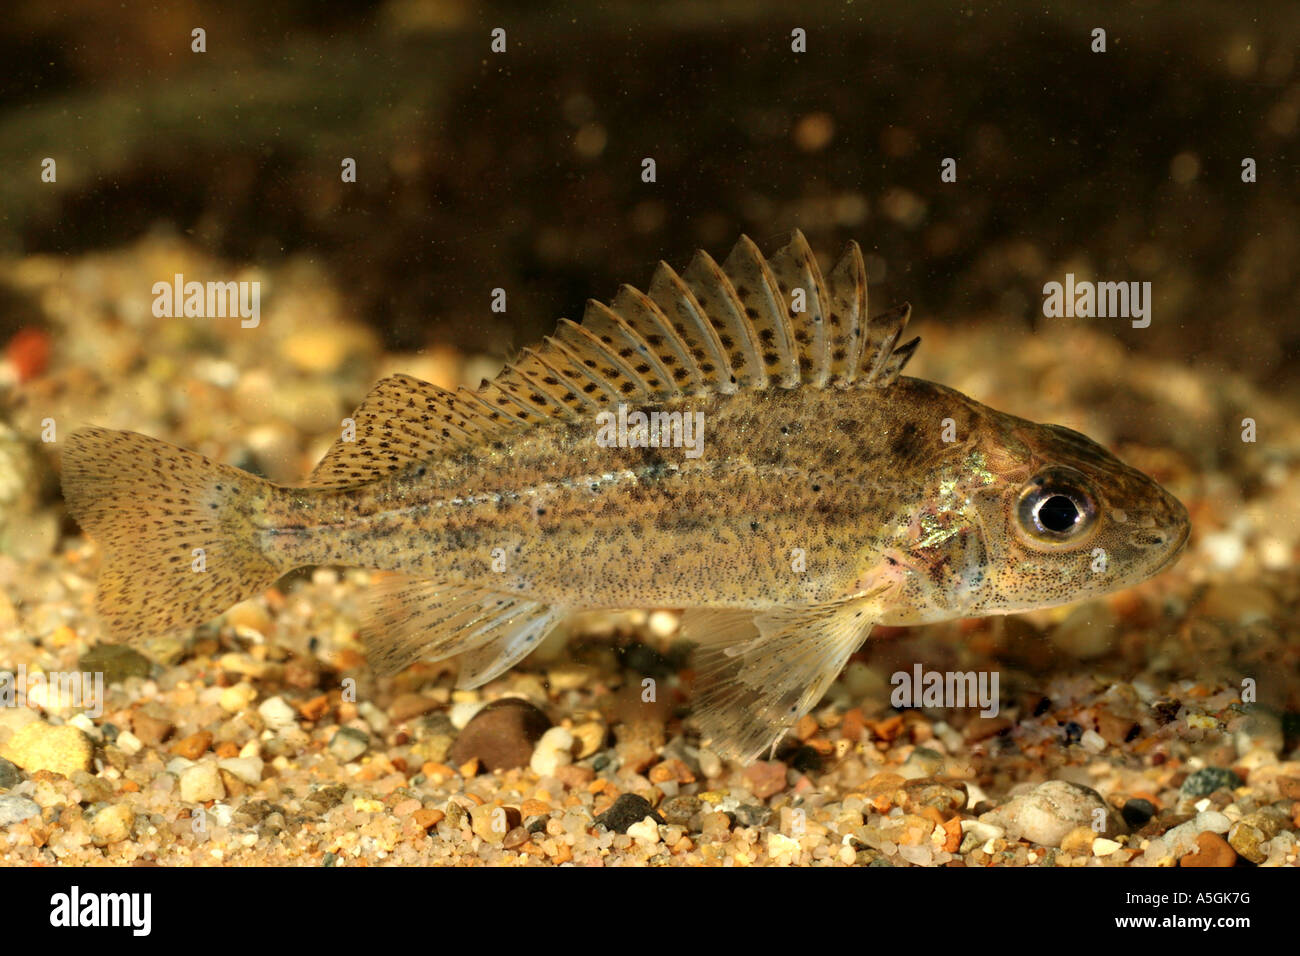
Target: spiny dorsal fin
x: 714, y: 328
x: 796, y: 271
x: 764, y: 308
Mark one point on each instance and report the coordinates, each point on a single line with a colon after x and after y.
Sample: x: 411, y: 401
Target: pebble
x: 201, y: 783
x: 680, y: 809
x: 921, y: 762
x: 494, y: 823
x: 244, y: 769
x: 1212, y: 850
x: 1103, y: 847
x: 279, y: 716
x: 1138, y: 812
x: 408, y: 706
x: 765, y: 778
x: 1046, y: 814
x: 194, y: 746
x: 554, y: 750
x: 710, y: 764
x: 1205, y: 781
x: 627, y: 810
x: 91, y: 788
x: 645, y: 832
x: 501, y: 735
x: 116, y: 662
x: 237, y: 697
x: 750, y: 815
x: 10, y: 776
x: 14, y: 808
x: 150, y: 727
x: 129, y: 743
x: 1248, y: 834
x: 348, y: 744
x: 112, y: 824
x: 463, y: 711
x: 42, y: 746
x: 590, y: 737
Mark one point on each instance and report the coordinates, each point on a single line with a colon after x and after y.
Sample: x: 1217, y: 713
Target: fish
x: 737, y: 443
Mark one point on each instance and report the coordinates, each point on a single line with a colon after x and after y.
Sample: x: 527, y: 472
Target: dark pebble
x: 501, y: 735
x: 1205, y: 781
x: 751, y: 815
x: 680, y: 809
x: 10, y: 776
x: 1073, y: 733
x: 1137, y: 812
x: 116, y: 662
x: 806, y: 760
x: 627, y: 810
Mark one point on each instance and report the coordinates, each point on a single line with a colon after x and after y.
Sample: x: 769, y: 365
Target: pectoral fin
x: 419, y: 617
x: 759, y: 673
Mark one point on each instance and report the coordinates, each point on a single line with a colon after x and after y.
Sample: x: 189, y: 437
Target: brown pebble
x: 765, y: 778
x: 535, y: 808
x: 806, y: 728
x: 408, y: 706
x: 1288, y: 787
x: 302, y: 673
x: 151, y: 728
x: 428, y: 819
x: 516, y: 837
x: 982, y: 728
x: 227, y: 748
x: 194, y: 746
x: 1115, y: 728
x: 1213, y: 850
x: 574, y: 777
x: 315, y: 708
x: 854, y: 724
x: 501, y: 735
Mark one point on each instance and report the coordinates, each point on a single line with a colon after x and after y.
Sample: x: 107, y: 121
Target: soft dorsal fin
x: 747, y: 324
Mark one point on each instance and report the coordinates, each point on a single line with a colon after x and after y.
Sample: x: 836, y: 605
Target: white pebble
x: 1214, y: 821
x: 983, y: 831
x: 463, y: 712
x: 244, y: 769
x: 646, y: 832
x: 279, y: 716
x: 201, y: 783
x: 129, y: 743
x: 1103, y: 847
x: 553, y: 751
x: 1092, y: 741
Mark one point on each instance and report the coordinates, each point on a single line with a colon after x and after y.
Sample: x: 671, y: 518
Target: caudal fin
x: 177, y: 531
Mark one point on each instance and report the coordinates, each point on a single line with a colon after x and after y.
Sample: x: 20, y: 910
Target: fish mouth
x: 1176, y: 551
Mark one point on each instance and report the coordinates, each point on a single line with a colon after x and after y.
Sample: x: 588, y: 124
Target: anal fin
x: 759, y: 673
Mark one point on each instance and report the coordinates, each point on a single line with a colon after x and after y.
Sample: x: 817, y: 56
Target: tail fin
x: 176, y: 530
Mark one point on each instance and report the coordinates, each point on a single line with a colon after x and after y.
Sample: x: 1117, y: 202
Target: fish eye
x: 1056, y: 507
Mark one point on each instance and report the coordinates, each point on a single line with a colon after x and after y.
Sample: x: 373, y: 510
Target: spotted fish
x: 737, y: 442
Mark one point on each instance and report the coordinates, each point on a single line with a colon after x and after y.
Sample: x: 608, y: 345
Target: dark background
x: 522, y: 170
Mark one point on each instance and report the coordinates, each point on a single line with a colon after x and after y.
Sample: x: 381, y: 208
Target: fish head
x: 1064, y: 520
